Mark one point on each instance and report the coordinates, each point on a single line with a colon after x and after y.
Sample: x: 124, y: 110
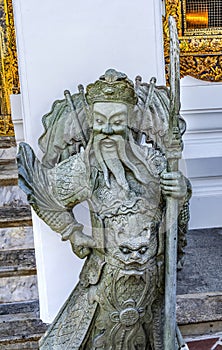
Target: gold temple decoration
x: 9, y: 79
x: 199, y: 24
x: 197, y: 19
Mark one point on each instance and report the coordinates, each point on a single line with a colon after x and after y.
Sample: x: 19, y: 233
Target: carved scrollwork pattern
x: 202, y: 67
x: 9, y: 79
x: 200, y: 54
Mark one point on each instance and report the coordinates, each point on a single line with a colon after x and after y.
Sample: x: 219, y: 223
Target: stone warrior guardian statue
x: 109, y: 147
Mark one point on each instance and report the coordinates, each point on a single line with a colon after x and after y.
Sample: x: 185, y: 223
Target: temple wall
x: 201, y: 106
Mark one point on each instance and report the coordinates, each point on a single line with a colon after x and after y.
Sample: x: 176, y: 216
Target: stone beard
x: 114, y: 154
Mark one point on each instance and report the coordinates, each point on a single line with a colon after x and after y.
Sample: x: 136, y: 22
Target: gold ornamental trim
x: 9, y: 78
x: 200, y: 49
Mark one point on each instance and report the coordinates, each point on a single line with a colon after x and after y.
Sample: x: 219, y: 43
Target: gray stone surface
x: 201, y: 329
x: 17, y: 262
x: 15, y: 216
x: 202, y: 270
x: 8, y: 153
x: 16, y: 238
x: 199, y: 314
x: 7, y: 141
x: 14, y: 343
x: 18, y: 288
x: 13, y: 310
x: 200, y: 307
x: 20, y: 326
x: 8, y: 174
x: 12, y: 195
x: 24, y: 327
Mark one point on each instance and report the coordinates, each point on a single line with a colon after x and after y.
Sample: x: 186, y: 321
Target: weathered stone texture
x: 12, y: 196
x: 17, y: 345
x: 17, y: 262
x: 200, y: 307
x: 18, y: 288
x: 20, y: 326
x: 15, y: 216
x: 7, y: 141
x: 20, y: 309
x: 8, y: 153
x: 203, y: 262
x: 16, y: 238
x: 8, y: 174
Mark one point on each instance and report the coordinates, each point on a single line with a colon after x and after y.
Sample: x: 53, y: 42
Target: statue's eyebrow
x: 117, y: 114
x: 100, y: 114
x: 120, y: 113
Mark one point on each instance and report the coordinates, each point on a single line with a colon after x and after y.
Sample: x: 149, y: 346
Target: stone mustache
x: 108, y: 147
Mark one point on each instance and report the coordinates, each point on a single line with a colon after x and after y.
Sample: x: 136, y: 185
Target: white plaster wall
x: 16, y: 113
x: 61, y: 44
x: 202, y: 109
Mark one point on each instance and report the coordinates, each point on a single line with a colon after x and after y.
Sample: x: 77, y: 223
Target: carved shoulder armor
x: 70, y: 180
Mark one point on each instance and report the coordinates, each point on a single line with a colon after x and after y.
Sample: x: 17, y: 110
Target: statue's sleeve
x: 42, y: 193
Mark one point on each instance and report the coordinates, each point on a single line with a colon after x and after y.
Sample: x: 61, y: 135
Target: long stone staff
x: 173, y: 154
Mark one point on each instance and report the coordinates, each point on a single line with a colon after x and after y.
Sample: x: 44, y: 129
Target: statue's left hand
x: 173, y: 184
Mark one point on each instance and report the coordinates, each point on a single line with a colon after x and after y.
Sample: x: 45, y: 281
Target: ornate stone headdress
x: 113, y: 86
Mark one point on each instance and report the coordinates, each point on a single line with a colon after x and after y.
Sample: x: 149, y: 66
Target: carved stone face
x: 132, y: 240
x: 137, y: 250
x: 113, y: 144
x: 110, y: 118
